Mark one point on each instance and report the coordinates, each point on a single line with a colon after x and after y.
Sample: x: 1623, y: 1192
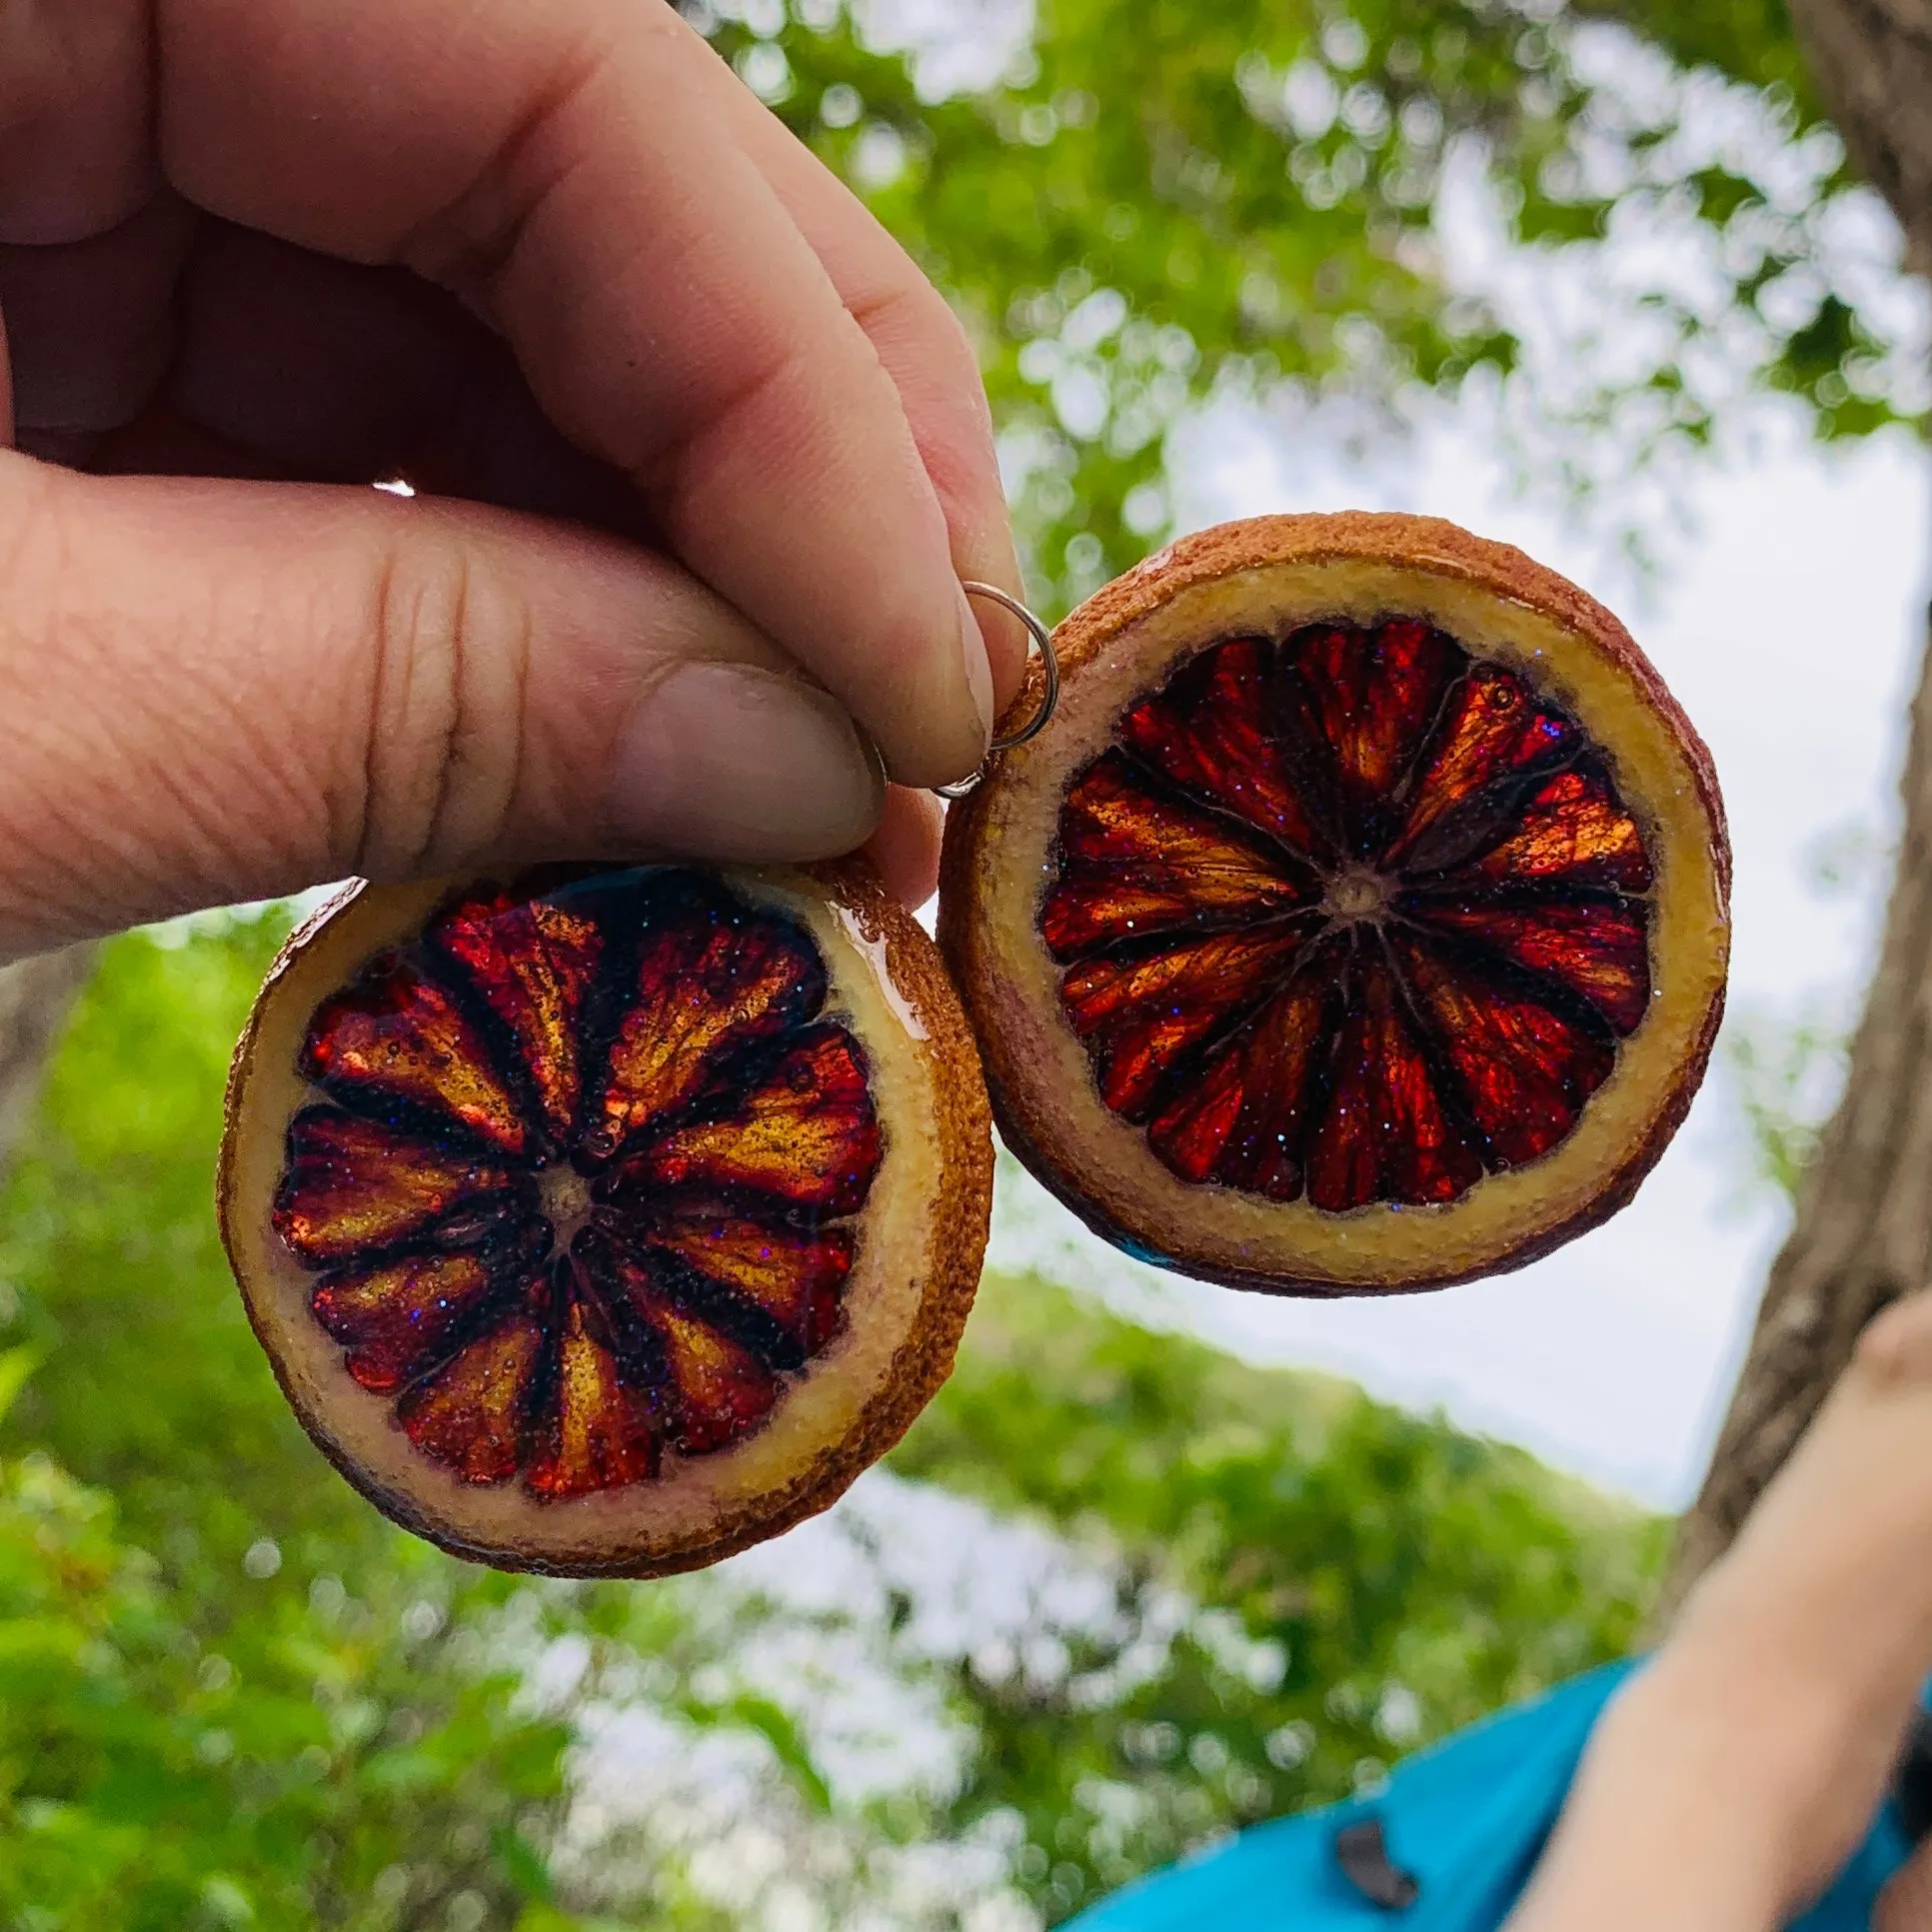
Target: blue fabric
x: 1468, y: 1819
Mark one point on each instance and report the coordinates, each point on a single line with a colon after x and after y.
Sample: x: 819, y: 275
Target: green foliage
x: 1361, y: 1581
x: 1749, y: 40
x: 306, y: 1766
x: 109, y: 1238
x: 1159, y: 205
x: 1786, y: 1076
x: 233, y: 1695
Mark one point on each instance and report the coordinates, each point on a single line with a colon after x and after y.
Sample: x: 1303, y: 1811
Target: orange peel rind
x: 606, y: 1222
x: 1361, y: 924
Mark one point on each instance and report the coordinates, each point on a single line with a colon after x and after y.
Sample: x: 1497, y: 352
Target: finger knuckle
x: 451, y: 645
x: 1895, y: 1346
x: 36, y: 532
x: 915, y: 315
x: 953, y: 340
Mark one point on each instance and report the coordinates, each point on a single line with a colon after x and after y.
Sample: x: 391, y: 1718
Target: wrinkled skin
x: 703, y: 458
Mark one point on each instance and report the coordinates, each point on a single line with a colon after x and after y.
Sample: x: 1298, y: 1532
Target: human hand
x: 1735, y: 1776
x: 547, y: 262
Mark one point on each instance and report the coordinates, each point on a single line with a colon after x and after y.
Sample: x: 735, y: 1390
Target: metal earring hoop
x: 1050, y: 699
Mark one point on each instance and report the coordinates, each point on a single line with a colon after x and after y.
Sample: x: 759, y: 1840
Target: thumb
x: 221, y: 691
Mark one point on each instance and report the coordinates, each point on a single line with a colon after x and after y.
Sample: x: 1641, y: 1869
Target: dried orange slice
x: 1361, y: 922
x: 603, y: 1223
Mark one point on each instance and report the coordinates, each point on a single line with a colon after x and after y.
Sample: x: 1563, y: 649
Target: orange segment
x: 1494, y: 734
x: 352, y: 1186
x: 1134, y: 863
x: 1596, y: 948
x: 1244, y: 1121
x: 1385, y: 1133
x: 597, y: 1431
x: 803, y: 1133
x: 534, y: 963
x: 794, y: 1277
x: 711, y: 979
x: 398, y: 1321
x: 1140, y: 1016
x: 1374, y: 695
x: 474, y: 1413
x: 715, y: 1388
x: 1523, y: 1071
x: 1213, y: 732
x: 1573, y: 832
x: 396, y: 1037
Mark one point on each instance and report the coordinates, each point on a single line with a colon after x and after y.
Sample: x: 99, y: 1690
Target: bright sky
x: 1788, y: 624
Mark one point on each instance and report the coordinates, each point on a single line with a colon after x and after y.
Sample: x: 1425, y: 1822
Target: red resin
x: 1352, y: 916
x: 660, y: 1040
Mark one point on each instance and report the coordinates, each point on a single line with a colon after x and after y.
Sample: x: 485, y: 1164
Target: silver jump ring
x: 1050, y: 699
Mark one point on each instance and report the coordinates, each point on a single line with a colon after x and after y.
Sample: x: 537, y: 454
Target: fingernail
x: 730, y: 762
x: 979, y: 667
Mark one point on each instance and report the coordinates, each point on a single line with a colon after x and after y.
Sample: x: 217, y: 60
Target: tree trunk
x: 1873, y: 62
x: 34, y: 997
x: 1863, y: 1234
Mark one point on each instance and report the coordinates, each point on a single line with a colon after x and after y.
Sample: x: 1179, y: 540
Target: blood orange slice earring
x: 1360, y: 925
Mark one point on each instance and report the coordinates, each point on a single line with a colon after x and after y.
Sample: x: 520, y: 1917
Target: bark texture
x: 35, y: 995
x: 1863, y: 1233
x: 1873, y: 64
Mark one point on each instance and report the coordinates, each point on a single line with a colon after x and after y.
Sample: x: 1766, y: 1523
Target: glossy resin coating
x: 1351, y: 917
x: 579, y: 1181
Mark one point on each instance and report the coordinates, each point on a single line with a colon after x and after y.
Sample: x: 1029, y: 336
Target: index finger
x: 562, y: 166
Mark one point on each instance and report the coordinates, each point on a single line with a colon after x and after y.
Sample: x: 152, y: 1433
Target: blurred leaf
x: 522, y: 1865
x: 1786, y: 1074
x: 16, y: 1364
x: 1363, y: 1580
